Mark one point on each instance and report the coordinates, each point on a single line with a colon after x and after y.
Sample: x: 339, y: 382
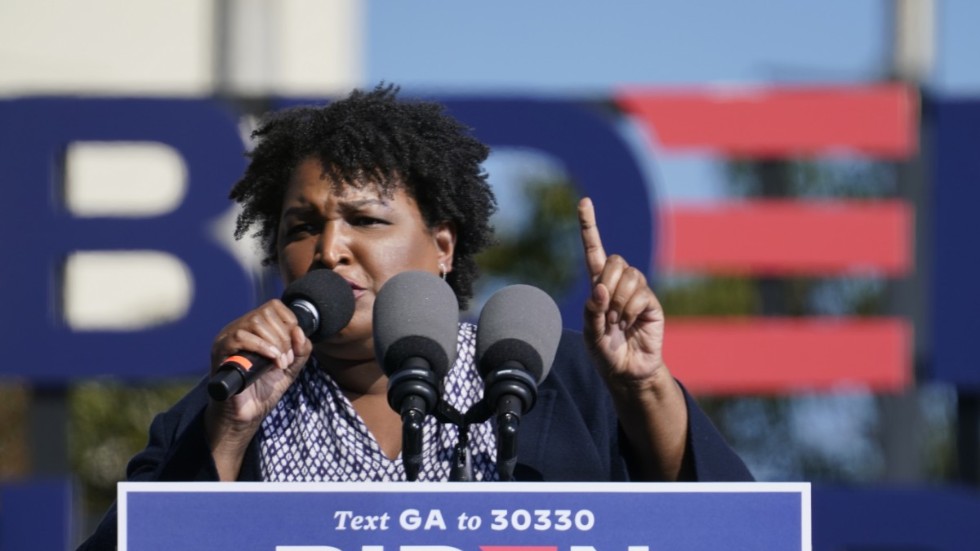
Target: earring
x: 442, y: 270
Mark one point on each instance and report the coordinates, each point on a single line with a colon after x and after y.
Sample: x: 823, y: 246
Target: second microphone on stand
x: 516, y: 341
x: 416, y: 318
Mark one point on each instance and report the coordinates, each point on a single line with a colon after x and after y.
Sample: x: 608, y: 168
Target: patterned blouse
x: 314, y: 434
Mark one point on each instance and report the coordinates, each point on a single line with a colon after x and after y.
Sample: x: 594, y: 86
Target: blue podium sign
x: 464, y: 516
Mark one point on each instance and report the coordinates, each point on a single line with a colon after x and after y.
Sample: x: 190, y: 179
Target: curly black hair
x: 393, y: 142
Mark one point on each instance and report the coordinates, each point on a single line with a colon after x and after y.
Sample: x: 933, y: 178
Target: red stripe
x: 877, y: 120
x: 762, y: 356
x: 788, y: 237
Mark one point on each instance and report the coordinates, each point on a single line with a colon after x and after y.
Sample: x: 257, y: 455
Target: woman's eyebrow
x: 356, y: 204
x: 299, y: 210
x: 353, y: 205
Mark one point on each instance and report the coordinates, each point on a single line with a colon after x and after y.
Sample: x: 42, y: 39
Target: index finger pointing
x: 595, y: 254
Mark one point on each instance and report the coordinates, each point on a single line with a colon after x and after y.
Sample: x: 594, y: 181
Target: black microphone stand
x: 412, y: 419
x: 461, y: 468
x: 412, y: 393
x: 510, y: 391
x: 508, y: 425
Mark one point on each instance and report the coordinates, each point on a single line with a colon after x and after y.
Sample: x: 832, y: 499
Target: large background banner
x: 717, y: 355
x: 465, y: 517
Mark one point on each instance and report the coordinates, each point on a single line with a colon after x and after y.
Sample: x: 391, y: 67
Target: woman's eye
x: 297, y: 229
x: 367, y: 221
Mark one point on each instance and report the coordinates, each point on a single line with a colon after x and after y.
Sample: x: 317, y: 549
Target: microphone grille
x: 330, y: 294
x: 519, y: 320
x: 421, y: 311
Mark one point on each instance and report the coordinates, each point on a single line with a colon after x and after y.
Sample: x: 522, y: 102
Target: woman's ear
x: 444, y: 236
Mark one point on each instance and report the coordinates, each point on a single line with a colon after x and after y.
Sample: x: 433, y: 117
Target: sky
x: 588, y: 48
x: 577, y: 46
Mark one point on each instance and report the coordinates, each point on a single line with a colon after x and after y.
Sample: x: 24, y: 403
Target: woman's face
x: 363, y: 236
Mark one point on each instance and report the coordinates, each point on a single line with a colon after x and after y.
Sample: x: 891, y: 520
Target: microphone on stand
x: 516, y: 341
x: 323, y: 303
x: 416, y: 321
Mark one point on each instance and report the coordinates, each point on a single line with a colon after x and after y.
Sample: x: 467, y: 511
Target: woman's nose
x: 332, y: 248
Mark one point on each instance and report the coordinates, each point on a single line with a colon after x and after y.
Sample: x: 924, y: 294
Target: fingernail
x: 613, y: 317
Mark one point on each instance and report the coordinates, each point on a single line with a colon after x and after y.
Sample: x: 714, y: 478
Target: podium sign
x: 464, y: 516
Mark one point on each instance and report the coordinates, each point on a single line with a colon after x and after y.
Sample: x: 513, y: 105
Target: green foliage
x: 108, y: 425
x: 546, y: 252
x: 13, y: 432
x: 707, y: 296
x: 847, y: 178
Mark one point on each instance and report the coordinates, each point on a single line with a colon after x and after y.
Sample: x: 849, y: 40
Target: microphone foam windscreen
x: 416, y: 314
x: 330, y: 294
x: 516, y: 319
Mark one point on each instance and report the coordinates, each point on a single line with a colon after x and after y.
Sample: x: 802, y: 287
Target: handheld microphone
x: 323, y: 303
x: 416, y: 320
x: 516, y: 341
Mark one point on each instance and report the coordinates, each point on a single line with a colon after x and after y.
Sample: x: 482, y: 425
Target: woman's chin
x: 348, y: 344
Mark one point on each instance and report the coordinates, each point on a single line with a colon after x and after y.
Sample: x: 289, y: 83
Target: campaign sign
x: 464, y: 516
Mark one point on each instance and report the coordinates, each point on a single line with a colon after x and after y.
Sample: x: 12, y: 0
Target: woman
x: 371, y: 186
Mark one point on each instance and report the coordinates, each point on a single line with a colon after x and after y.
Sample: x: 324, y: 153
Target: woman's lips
x: 358, y: 290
